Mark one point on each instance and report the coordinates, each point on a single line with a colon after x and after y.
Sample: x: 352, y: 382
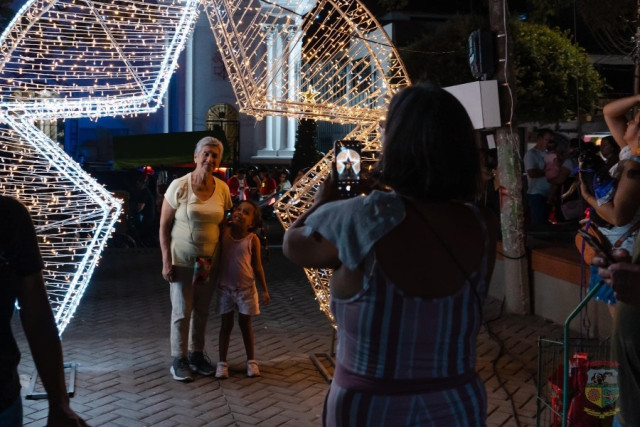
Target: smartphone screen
x: 347, y: 157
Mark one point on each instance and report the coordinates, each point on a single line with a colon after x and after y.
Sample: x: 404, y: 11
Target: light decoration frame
x: 276, y: 50
x: 69, y: 59
x: 98, y: 58
x: 92, y: 58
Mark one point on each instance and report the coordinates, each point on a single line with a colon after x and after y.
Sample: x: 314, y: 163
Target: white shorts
x: 242, y: 301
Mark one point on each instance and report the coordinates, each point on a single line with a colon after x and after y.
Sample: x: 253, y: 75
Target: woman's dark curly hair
x: 429, y: 148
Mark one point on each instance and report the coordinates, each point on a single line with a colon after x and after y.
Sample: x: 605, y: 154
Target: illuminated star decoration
x: 334, y: 48
x: 72, y: 58
x: 309, y: 95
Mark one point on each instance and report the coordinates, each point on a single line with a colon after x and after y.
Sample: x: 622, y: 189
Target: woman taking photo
x: 412, y: 267
x: 193, y: 208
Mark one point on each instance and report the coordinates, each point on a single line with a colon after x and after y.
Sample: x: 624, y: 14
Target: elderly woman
x: 193, y: 208
x: 412, y: 268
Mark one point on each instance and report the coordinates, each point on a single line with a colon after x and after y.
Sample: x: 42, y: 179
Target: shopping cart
x: 577, y: 379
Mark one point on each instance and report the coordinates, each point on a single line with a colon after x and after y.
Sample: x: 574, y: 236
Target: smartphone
x: 348, y: 162
x: 597, y: 245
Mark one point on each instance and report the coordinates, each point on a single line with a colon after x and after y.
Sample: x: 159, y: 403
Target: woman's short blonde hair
x: 208, y: 140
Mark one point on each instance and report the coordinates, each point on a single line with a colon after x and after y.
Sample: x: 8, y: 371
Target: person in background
x: 240, y: 269
x: 267, y: 184
x: 193, y: 208
x: 407, y: 322
x: 253, y: 182
x: 143, y: 211
x: 623, y: 277
x: 537, y: 184
x: 238, y: 186
x: 21, y: 271
x: 616, y: 201
x: 283, y: 181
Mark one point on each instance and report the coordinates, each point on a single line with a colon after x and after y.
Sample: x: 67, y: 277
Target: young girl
x: 240, y: 268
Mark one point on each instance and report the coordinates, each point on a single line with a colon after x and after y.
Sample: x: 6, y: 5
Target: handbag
x: 588, y: 253
x: 586, y: 250
x: 201, y: 270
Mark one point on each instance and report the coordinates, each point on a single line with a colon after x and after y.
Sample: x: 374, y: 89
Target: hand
x: 266, y: 298
x: 328, y: 190
x: 620, y: 255
x: 63, y: 415
x: 623, y: 276
x: 168, y: 272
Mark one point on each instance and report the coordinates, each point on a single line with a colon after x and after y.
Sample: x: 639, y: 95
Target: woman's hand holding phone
x: 328, y: 190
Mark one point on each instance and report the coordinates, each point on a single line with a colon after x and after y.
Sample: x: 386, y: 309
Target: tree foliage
x: 306, y: 154
x: 553, y: 74
x: 441, y: 57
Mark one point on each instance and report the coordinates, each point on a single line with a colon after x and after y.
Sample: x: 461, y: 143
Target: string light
x: 279, y: 52
x: 72, y: 213
x: 83, y: 58
x: 72, y: 58
x: 75, y: 58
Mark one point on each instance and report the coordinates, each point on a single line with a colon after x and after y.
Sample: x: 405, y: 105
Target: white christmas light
x: 72, y: 213
x: 78, y: 58
x: 280, y: 54
x: 95, y: 58
x: 90, y: 58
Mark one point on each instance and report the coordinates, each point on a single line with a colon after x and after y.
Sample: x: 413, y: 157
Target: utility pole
x: 636, y: 54
x: 516, y: 272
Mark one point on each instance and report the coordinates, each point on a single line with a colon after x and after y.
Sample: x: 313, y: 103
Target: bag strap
x: 627, y: 234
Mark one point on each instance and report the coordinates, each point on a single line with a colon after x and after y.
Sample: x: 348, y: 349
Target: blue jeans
x: 538, y: 208
x: 12, y: 416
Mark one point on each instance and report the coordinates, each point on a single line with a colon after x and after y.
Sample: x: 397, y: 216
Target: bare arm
x: 42, y: 334
x: 615, y: 114
x: 167, y: 216
x: 622, y: 209
x: 313, y: 250
x: 258, y: 271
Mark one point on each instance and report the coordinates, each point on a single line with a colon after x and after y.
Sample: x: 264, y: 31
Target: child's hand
x: 266, y: 299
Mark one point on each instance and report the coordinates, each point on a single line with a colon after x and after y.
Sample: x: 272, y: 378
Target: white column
x: 165, y: 113
x: 277, y: 91
x: 188, y: 87
x: 293, y: 62
x: 269, y: 120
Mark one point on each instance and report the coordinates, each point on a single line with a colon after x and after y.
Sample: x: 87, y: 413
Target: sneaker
x: 199, y: 363
x: 252, y: 368
x: 180, y: 369
x: 222, y: 370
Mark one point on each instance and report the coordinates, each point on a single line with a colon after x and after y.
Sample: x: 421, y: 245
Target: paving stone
x: 119, y: 338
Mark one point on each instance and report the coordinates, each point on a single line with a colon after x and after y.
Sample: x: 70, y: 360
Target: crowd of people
x: 406, y: 349
x: 259, y: 182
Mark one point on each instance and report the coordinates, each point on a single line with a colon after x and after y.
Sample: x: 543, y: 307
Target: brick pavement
x: 119, y: 339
